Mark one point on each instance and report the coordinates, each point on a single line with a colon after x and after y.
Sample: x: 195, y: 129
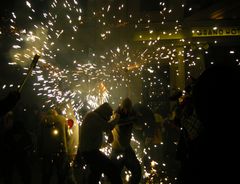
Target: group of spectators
x: 207, y: 146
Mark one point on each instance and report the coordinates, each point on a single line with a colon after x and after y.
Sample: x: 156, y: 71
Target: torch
x: 32, y: 66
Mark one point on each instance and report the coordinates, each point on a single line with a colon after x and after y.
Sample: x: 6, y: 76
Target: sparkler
x: 32, y: 66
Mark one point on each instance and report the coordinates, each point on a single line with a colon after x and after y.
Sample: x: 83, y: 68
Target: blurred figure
x: 72, y: 143
x: 53, y: 146
x: 159, y: 128
x: 32, y: 122
x: 16, y: 146
x: 214, y: 153
x: 91, y: 137
x: 8, y: 103
x: 190, y: 129
x: 146, y: 124
x: 122, y: 152
x: 145, y: 133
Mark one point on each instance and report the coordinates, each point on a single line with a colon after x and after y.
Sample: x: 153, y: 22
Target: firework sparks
x: 68, y: 73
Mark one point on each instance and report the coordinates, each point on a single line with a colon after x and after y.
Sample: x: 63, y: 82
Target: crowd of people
x: 199, y: 137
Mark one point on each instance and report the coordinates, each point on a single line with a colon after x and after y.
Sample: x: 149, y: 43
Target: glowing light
x: 55, y: 132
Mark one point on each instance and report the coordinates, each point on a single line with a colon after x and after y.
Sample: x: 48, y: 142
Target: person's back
x: 95, y: 123
x: 91, y: 132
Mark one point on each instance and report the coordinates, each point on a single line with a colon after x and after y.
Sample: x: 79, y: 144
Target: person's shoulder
x: 90, y: 115
x: 61, y: 118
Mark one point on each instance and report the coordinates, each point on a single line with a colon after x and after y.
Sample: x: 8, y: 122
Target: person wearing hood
x: 94, y: 124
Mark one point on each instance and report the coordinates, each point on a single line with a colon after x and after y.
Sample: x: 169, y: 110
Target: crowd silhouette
x: 199, y: 136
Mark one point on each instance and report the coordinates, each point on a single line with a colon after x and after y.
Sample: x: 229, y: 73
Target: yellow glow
x: 55, y: 132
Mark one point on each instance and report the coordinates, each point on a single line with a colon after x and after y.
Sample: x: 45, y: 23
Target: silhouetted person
x: 8, y: 103
x: 190, y: 128
x: 53, y: 146
x: 91, y: 138
x: 16, y: 145
x: 122, y: 152
x: 214, y: 154
x: 145, y: 131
